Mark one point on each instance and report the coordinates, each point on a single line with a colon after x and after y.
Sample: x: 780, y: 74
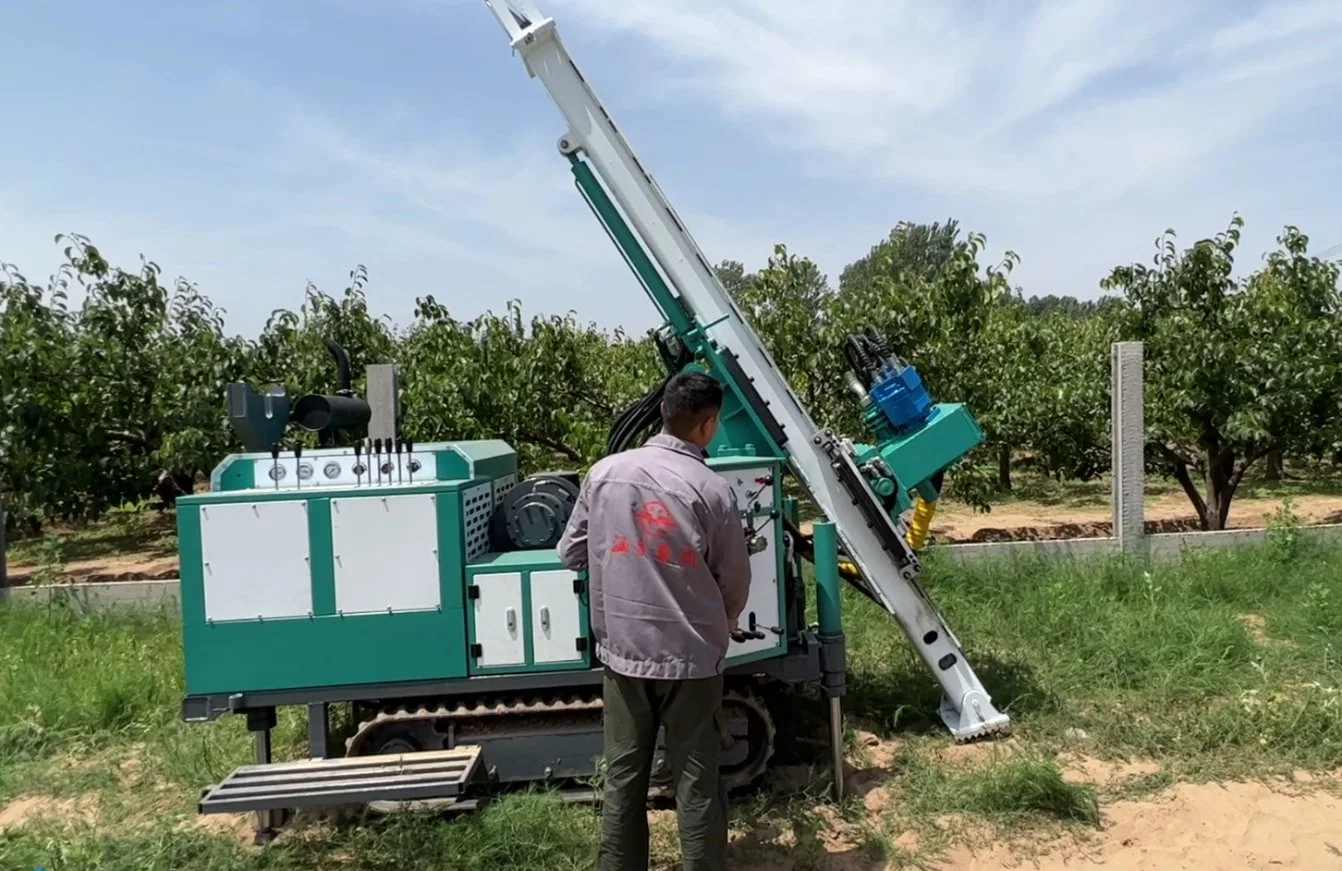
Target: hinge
x: 473, y: 591
x: 581, y: 644
x: 477, y: 651
x: 578, y: 586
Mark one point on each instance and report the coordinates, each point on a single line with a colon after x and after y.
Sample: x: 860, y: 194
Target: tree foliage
x: 1235, y: 368
x: 121, y: 397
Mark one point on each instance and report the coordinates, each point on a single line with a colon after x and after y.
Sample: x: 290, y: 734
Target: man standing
x: 661, y: 538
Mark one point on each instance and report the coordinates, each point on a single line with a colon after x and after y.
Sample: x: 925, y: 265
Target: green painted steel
x: 914, y: 457
x: 741, y: 431
x: 485, y: 458
x: 250, y: 656
x: 328, y: 493
x: 829, y: 605
x: 326, y: 649
x: 609, y: 216
x: 321, y: 552
x: 330, y: 649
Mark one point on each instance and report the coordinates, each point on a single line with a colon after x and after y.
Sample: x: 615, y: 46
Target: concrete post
x: 1127, y: 433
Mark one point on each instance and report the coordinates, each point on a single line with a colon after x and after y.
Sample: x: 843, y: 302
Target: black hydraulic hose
x: 857, y: 359
x: 635, y: 424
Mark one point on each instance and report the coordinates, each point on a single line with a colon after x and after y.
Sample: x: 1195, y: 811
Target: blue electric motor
x: 899, y: 392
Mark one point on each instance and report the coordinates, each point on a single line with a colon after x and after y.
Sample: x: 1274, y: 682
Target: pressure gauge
x: 304, y: 471
x: 331, y: 470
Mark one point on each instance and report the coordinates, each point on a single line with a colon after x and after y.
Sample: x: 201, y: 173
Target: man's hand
x: 732, y: 626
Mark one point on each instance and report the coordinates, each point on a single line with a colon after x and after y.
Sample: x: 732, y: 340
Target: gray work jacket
x: 664, y: 547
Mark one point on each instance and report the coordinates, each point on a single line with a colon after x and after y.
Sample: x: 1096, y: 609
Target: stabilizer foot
x: 975, y: 719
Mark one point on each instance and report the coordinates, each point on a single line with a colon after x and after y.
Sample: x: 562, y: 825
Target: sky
x: 253, y: 146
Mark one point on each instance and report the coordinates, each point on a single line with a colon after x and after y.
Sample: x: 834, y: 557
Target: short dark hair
x: 689, y: 398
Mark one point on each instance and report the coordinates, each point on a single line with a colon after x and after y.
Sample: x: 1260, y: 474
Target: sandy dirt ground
x: 1240, y: 826
x: 1168, y: 513
x: 1208, y: 827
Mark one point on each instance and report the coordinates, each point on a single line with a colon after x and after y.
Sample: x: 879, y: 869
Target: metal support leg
x: 259, y: 723
x: 833, y: 648
x: 836, y: 744
x: 319, y: 729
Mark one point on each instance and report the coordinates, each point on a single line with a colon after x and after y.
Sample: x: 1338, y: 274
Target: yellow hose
x: 921, y: 523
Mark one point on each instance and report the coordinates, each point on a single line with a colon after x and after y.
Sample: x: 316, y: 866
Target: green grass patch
x: 1221, y: 664
x: 1224, y: 659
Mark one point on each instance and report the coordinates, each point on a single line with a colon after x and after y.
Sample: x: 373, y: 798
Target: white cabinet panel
x: 254, y: 559
x: 763, y: 598
x: 751, y: 488
x: 556, y: 621
x: 385, y: 550
x: 498, y: 619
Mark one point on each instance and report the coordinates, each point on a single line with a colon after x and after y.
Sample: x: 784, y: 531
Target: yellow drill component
x: 921, y: 523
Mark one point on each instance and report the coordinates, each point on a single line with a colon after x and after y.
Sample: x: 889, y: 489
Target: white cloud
x: 988, y: 99
x: 1069, y: 131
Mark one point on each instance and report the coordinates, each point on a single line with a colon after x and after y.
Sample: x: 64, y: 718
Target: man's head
x: 690, y: 406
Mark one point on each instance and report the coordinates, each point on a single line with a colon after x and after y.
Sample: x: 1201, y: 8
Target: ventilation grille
x: 501, y: 488
x: 477, y: 506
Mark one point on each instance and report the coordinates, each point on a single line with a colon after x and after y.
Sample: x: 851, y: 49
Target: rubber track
x: 499, y: 708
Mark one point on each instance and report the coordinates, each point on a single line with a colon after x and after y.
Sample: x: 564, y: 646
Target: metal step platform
x: 309, y: 783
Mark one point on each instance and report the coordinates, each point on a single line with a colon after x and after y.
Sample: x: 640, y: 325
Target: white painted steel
x: 254, y: 560
x: 385, y: 551
x: 556, y: 617
x: 498, y: 619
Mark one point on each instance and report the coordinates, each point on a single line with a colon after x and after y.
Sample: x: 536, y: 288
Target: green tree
x: 292, y: 349
x: 786, y: 303
x: 550, y: 387
x: 115, y: 401
x: 920, y: 249
x: 1234, y: 369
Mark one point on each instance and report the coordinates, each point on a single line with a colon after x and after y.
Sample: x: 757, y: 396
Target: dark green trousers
x: 691, y: 712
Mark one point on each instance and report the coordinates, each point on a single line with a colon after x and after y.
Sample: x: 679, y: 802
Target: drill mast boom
x: 825, y: 465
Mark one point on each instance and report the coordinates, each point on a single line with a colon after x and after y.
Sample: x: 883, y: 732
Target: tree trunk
x: 1191, y: 491
x: 1004, y: 468
x: 1275, y: 467
x: 1221, y: 484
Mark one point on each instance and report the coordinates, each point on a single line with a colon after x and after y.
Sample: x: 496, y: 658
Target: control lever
x: 743, y: 634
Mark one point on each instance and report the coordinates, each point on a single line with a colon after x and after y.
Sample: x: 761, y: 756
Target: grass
x: 1221, y: 665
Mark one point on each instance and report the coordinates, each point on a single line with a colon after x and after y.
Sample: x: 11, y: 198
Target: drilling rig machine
x: 419, y: 583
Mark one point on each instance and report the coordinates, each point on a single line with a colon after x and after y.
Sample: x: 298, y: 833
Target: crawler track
x: 442, y: 724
